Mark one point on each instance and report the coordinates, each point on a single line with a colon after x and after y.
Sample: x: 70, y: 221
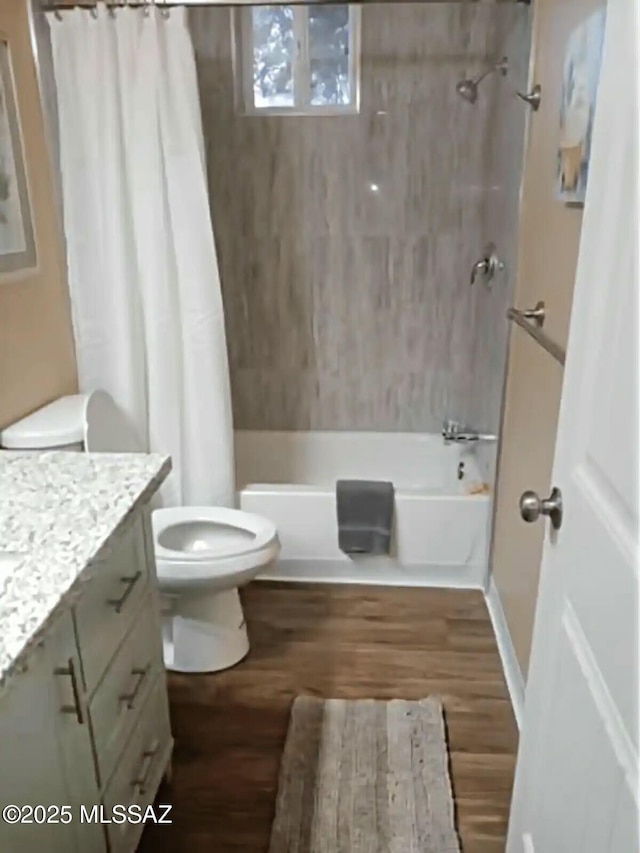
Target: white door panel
x: 577, y: 773
x: 625, y: 825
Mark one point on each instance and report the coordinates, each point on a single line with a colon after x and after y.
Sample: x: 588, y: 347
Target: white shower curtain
x: 143, y: 274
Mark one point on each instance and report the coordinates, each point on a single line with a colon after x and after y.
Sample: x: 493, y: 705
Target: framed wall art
x: 577, y: 106
x: 17, y: 240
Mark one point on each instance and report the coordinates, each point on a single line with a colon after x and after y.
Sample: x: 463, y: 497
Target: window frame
x: 242, y: 37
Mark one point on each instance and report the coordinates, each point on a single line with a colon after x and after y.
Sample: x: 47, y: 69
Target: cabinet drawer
x: 141, y: 766
x: 111, y: 600
x: 117, y: 700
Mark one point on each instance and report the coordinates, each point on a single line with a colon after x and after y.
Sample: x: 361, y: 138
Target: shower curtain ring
x: 164, y: 12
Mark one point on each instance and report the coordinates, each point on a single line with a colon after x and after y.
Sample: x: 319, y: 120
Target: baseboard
x: 376, y: 571
x: 510, y: 665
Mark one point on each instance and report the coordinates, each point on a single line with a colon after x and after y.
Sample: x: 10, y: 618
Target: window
x: 297, y: 59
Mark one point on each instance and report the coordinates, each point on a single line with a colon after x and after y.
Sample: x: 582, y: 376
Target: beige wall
x: 37, y: 360
x: 549, y: 240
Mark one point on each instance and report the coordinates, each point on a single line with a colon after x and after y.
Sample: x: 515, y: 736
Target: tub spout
x: 452, y: 432
x: 475, y: 436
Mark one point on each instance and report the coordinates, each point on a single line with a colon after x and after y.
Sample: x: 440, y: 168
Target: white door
x: 576, y: 788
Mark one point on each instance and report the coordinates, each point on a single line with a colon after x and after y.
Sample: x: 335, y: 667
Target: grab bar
x: 533, y: 329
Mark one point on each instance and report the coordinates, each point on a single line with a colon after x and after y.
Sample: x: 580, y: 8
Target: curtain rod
x: 51, y: 5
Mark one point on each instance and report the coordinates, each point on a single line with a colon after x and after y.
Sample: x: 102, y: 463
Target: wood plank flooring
x: 345, y: 642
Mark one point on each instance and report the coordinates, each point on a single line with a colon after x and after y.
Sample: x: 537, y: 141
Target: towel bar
x: 532, y: 329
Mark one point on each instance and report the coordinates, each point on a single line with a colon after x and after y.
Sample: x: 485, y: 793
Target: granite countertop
x: 58, y: 509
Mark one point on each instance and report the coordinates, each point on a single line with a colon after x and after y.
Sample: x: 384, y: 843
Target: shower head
x: 468, y: 89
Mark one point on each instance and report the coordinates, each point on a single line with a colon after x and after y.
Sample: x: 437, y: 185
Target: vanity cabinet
x: 88, y: 723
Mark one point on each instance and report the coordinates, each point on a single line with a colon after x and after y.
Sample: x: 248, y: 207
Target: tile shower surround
x: 345, y: 243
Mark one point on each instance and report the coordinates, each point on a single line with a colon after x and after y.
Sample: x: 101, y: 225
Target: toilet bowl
x: 203, y: 554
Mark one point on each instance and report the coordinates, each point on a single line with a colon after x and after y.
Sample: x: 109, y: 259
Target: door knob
x: 532, y: 507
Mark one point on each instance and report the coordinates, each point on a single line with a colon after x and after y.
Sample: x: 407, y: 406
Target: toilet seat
x: 204, y: 545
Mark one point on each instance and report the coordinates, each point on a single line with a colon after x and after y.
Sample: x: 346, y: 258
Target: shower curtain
x: 143, y: 275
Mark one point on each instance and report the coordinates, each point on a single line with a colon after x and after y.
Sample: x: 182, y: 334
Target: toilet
x: 203, y: 554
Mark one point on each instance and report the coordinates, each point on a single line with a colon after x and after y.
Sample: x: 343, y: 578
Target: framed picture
x: 579, y: 90
x: 17, y: 240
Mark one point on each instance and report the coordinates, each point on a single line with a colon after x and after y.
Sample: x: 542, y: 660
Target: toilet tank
x: 78, y: 422
x: 57, y: 426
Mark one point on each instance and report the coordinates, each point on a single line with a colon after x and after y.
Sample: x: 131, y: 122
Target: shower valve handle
x: 488, y: 265
x: 481, y: 266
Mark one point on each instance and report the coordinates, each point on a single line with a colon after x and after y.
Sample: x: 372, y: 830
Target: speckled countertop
x: 58, y: 510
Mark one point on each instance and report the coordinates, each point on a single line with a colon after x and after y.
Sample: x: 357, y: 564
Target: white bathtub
x: 440, y: 532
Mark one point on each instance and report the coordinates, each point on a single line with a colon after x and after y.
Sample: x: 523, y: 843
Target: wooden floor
x: 346, y: 642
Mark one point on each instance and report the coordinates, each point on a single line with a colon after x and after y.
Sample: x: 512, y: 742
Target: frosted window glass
x: 273, y: 52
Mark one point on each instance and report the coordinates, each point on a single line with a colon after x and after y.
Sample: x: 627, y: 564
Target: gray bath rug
x: 364, y: 777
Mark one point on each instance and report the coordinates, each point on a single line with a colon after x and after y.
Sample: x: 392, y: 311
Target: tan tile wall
x: 347, y: 308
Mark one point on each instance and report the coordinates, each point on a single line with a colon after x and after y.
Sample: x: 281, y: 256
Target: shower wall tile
x: 345, y: 243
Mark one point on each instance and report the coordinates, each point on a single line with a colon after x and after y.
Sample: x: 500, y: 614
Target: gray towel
x: 365, y: 516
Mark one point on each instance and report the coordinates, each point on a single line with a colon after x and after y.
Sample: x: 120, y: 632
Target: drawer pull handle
x: 130, y: 698
x: 119, y: 603
x: 76, y: 708
x: 145, y: 768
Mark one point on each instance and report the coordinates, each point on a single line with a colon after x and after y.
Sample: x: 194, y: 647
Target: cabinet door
x: 45, y: 751
x: 73, y: 733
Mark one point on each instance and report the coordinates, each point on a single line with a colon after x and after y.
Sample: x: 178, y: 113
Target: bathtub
x: 442, y: 511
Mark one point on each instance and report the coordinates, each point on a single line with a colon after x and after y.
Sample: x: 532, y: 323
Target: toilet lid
x: 209, y: 533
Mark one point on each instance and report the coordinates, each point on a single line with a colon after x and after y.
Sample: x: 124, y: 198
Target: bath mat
x: 364, y: 776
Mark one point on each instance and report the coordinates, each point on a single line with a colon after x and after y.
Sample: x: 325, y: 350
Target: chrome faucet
x: 453, y: 432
